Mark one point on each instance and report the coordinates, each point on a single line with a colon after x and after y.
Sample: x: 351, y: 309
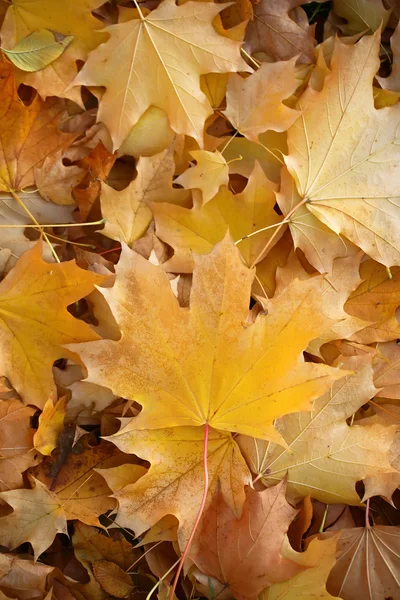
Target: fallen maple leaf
x: 174, y: 483
x: 361, y: 15
x: 22, y: 574
x: 34, y: 321
x: 51, y: 424
x: 254, y: 104
x: 274, y: 31
x: 127, y: 212
x: 319, y: 558
x: 16, y: 443
x: 320, y: 244
x: 387, y: 370
x: 28, y: 133
x: 98, y: 165
x: 198, y: 229
x: 75, y: 19
x: 14, y: 240
x: 367, y: 563
x: 91, y: 546
x: 375, y: 301
x: 343, y: 155
x: 324, y: 456
x: 245, y: 554
x: 210, y: 172
x: 208, y: 361
x: 77, y: 485
x: 188, y: 28
x: 37, y: 517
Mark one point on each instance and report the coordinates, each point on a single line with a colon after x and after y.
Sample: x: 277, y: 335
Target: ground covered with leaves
x: 199, y: 300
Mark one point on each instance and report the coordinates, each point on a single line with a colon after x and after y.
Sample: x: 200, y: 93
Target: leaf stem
x: 139, y: 10
x: 384, y: 410
x: 322, y: 526
x: 367, y: 523
x: 271, y: 240
x: 28, y: 212
x: 153, y: 589
x: 40, y: 226
x: 272, y: 153
x: 199, y: 515
x: 254, y: 61
x: 245, y: 237
x: 229, y: 141
x: 142, y: 556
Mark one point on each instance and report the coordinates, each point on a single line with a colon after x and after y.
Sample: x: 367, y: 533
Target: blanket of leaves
x: 199, y: 300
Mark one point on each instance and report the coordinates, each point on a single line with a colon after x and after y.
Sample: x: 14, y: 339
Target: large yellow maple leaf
x: 34, y: 321
x: 157, y: 60
x: 344, y: 157
x: 208, y: 365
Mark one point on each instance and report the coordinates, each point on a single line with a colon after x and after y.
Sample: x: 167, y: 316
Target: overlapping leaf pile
x: 199, y: 299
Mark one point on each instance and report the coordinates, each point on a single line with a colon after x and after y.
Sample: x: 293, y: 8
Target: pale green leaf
x: 37, y: 50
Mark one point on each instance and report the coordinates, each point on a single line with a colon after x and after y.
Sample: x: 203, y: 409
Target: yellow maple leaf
x: 138, y: 56
x: 210, y: 172
x: 344, y: 156
x: 51, y: 424
x: 207, y: 365
x: 127, y: 212
x: 37, y: 517
x: 254, y: 104
x: 325, y: 457
x: 174, y: 484
x: 34, y: 321
x: 198, y: 229
x: 317, y: 561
